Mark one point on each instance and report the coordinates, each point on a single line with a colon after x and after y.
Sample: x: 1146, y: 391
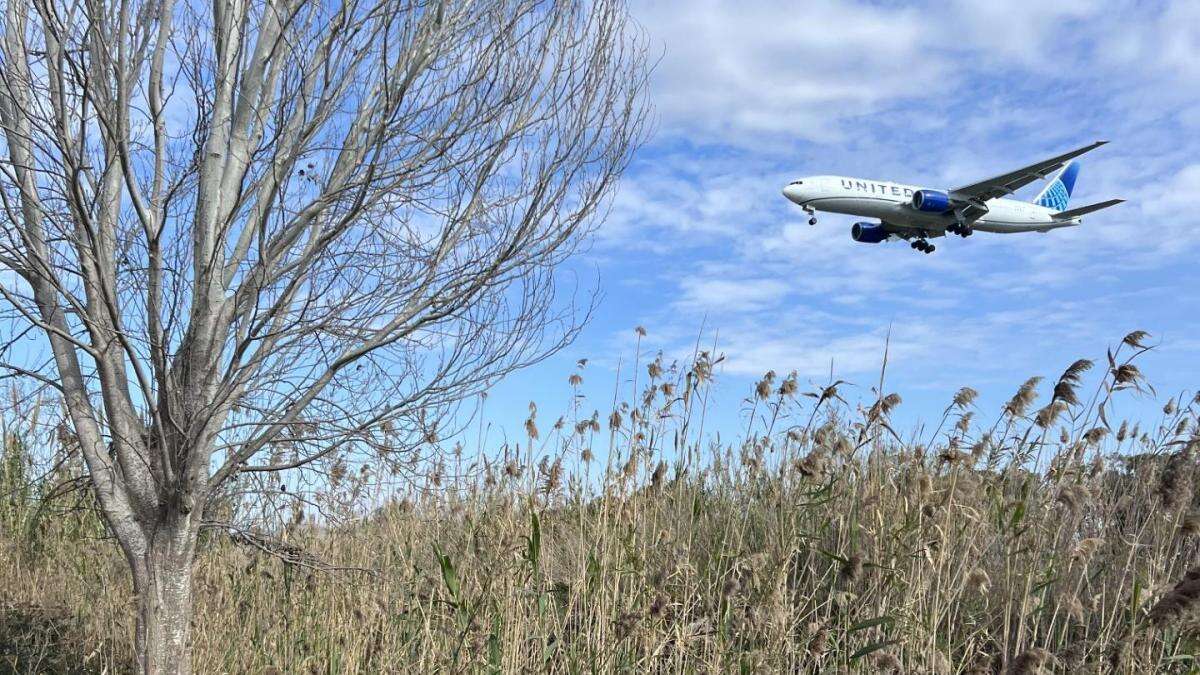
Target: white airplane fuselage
x: 892, y: 203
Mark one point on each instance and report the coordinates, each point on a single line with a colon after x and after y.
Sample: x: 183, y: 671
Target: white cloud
x: 762, y: 67
x: 1026, y: 32
x: 729, y: 295
x: 1166, y: 45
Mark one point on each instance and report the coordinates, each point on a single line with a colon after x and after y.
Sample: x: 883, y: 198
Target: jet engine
x: 868, y: 233
x: 931, y: 201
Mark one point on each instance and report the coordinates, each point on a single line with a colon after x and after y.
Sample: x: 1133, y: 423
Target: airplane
x: 918, y: 214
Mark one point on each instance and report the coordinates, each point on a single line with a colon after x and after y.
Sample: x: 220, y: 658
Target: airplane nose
x: 792, y: 192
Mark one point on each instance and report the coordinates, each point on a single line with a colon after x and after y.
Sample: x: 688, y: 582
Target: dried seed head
x: 629, y: 469
x: 813, y: 464
x: 921, y: 484
x: 1175, y: 484
x: 1064, y: 389
x: 625, y: 625
x: 818, y: 640
x: 729, y: 587
x: 552, y: 476
x: 964, y: 422
x: 852, y: 569
x: 978, y: 581
x: 1190, y: 525
x: 763, y: 389
x: 512, y: 469
x: 884, y: 406
x: 614, y: 420
x: 789, y: 386
x: 1072, y: 607
x: 1074, y: 496
x: 1180, y: 603
x: 1085, y: 548
x: 659, y: 475
x: 843, y: 599
x: 886, y: 662
x: 658, y: 607
x: 952, y: 456
x: 939, y: 663
x: 1136, y: 339
x: 1048, y: 415
x: 1025, y: 396
x: 965, y: 397
x: 1031, y: 662
x: 890, y: 402
x: 980, y: 447
x: 1126, y: 373
x: 654, y: 369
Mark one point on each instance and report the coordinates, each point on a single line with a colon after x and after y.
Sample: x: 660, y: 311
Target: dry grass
x: 1038, y: 541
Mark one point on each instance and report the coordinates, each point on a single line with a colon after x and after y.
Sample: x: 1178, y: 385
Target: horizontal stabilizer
x: 1071, y: 214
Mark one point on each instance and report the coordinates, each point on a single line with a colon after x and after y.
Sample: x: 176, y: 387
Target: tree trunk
x: 162, y: 580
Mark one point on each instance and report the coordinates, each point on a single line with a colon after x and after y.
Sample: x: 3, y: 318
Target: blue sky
x: 749, y: 95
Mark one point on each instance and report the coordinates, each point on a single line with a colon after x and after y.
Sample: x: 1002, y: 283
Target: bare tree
x: 257, y: 221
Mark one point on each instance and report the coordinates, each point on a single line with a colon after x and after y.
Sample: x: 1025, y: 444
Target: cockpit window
x: 796, y: 182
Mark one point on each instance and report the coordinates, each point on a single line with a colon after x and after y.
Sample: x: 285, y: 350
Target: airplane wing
x: 1008, y: 183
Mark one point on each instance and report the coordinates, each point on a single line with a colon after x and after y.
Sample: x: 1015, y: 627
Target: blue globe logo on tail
x: 1058, y: 193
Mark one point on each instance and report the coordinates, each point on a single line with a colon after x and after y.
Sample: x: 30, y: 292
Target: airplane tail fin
x: 1057, y: 194
x: 1083, y: 210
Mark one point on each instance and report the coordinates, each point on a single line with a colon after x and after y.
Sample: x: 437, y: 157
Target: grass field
x: 1047, y: 537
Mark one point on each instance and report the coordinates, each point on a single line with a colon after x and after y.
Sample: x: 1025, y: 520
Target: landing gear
x: 923, y: 246
x: 812, y: 216
x: 812, y: 221
x: 961, y: 229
